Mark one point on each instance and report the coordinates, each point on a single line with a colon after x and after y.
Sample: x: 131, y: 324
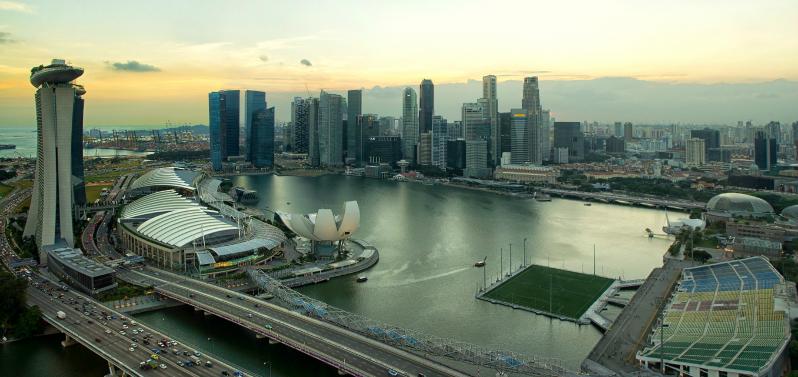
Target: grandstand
x: 724, y: 319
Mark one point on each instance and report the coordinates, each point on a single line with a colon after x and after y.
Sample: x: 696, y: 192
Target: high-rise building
x: 425, y: 149
x: 382, y: 149
x: 409, y: 125
x: 711, y: 142
x: 628, y: 132
x: 223, y: 109
x: 330, y: 129
x: 795, y: 138
x: 387, y: 126
x: 314, y: 155
x: 300, y: 123
x: 476, y: 125
x: 618, y: 129
x: 476, y: 159
x: 439, y: 137
x: 58, y: 177
x: 492, y: 102
x: 765, y: 150
x: 569, y: 135
x: 261, y: 147
x: 354, y: 139
x: 455, y: 154
x: 505, y: 132
x: 426, y: 108
x: 454, y: 130
x: 695, y: 152
x: 367, y: 126
x: 545, y: 134
x: 519, y: 136
x: 253, y: 101
x: 531, y: 103
x: 615, y: 145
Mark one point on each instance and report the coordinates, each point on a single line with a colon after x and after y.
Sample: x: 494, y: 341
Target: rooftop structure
x: 181, y: 227
x: 791, y: 212
x: 734, y: 204
x: 79, y: 271
x: 728, y: 317
x: 164, y: 178
x: 155, y: 204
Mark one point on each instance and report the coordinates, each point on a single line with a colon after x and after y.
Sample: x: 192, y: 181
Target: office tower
x: 439, y: 137
x: 387, y: 126
x: 765, y: 150
x: 426, y: 108
x: 545, y: 134
x: 476, y: 159
x: 615, y: 145
x: 314, y: 157
x: 795, y: 138
x: 569, y: 135
x: 261, y: 147
x: 409, y: 125
x: 455, y: 154
x: 476, y: 125
x: 253, y: 101
x: 628, y: 132
x: 519, y: 136
x: 492, y: 102
x: 531, y: 103
x: 330, y: 129
x: 425, y: 149
x: 505, y: 132
x: 695, y: 151
x: 223, y: 109
x: 774, y: 130
x: 367, y: 126
x: 618, y: 129
x: 382, y: 149
x: 455, y: 131
x: 354, y: 103
x: 58, y: 177
x: 300, y: 124
x: 711, y: 142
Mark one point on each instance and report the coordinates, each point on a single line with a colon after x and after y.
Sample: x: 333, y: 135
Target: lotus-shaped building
x: 324, y: 226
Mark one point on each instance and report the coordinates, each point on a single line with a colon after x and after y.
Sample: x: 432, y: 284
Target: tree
x: 29, y: 323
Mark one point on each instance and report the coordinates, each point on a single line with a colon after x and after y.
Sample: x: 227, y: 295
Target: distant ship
x: 542, y: 197
x: 8, y: 146
x: 362, y: 279
x: 480, y: 263
x: 588, y: 204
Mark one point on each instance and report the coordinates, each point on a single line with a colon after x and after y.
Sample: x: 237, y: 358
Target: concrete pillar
x: 67, y: 341
x: 272, y: 341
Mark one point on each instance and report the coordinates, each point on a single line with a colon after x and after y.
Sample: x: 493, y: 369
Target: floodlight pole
x: 501, y: 262
x: 511, y: 259
x: 524, y: 265
x: 594, y: 259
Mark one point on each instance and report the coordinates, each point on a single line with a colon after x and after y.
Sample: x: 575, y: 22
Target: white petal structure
x: 324, y: 225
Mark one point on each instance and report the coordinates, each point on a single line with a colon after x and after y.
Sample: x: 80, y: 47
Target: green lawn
x: 93, y: 192
x: 5, y: 189
x: 559, y: 292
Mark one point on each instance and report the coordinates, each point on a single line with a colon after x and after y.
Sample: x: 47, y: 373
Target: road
x: 333, y: 345
x: 86, y: 324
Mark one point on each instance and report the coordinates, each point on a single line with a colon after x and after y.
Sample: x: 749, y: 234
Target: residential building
x: 695, y: 150
x: 409, y: 125
x: 300, y: 124
x: 615, y: 145
x: 628, y: 132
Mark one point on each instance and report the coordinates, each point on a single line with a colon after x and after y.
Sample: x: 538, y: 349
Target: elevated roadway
x: 626, y: 199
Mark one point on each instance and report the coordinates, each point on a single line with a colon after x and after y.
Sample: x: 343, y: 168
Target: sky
x: 152, y: 62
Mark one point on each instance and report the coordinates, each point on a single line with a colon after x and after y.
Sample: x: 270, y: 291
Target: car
x: 131, y: 349
x: 197, y: 354
x: 249, y: 315
x: 392, y: 372
x: 162, y: 366
x: 268, y: 326
x: 122, y: 332
x: 97, y: 340
x: 107, y: 331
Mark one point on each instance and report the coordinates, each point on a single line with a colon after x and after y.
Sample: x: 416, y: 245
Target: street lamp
x: 269, y: 363
x: 210, y: 345
x: 524, y: 265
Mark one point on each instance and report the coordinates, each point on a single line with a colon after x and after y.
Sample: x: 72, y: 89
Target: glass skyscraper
x: 253, y: 101
x: 223, y: 118
x: 261, y: 147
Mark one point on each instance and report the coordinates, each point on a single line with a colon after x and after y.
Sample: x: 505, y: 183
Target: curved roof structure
x: 179, y: 228
x: 739, y: 204
x: 155, y: 204
x: 323, y: 225
x: 58, y: 72
x: 166, y: 177
x: 790, y: 212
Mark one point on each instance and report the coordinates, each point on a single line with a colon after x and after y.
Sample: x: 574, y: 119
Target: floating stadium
x: 724, y: 319
x: 179, y: 220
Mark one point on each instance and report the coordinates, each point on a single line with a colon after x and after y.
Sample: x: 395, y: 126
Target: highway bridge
x: 82, y: 324
x: 348, y: 352
x: 626, y: 199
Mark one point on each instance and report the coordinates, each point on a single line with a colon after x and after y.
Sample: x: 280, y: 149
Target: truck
x: 60, y: 314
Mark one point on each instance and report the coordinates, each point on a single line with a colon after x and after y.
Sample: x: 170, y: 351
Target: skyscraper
x: 765, y: 150
x: 711, y: 142
x: 489, y: 94
x: 425, y: 149
x: 354, y: 139
x: 545, y: 132
x: 57, y: 178
x: 505, y: 132
x: 439, y: 137
x: 695, y: 152
x: 331, y: 129
x: 569, y: 135
x: 409, y: 125
x: 426, y: 106
x: 223, y: 109
x: 628, y: 132
x: 314, y: 157
x: 476, y: 125
x: 253, y: 101
x: 300, y: 124
x: 261, y: 147
x: 531, y: 103
x: 519, y: 136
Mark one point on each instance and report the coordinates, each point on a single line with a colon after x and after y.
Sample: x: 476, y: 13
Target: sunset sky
x: 148, y: 62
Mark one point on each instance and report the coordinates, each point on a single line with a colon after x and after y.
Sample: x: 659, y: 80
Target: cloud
x: 133, y: 66
x: 15, y: 6
x: 263, y: 58
x: 305, y: 62
x: 5, y: 38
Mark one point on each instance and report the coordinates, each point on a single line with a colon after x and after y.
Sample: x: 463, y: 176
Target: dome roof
x: 790, y: 212
x: 739, y: 204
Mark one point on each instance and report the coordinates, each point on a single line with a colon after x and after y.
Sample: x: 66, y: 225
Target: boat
x: 480, y: 263
x: 542, y: 197
x: 8, y: 146
x: 588, y: 204
x: 362, y: 279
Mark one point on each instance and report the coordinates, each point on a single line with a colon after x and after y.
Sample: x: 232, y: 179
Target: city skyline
x: 150, y: 68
